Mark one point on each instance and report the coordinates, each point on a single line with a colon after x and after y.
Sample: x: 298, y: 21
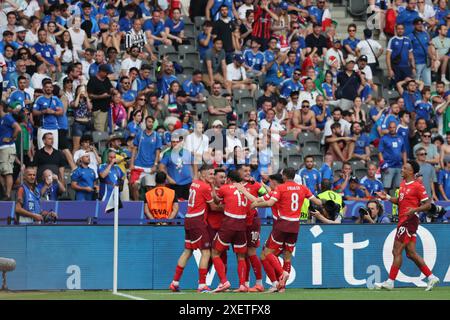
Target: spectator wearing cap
x: 20, y: 96
x: 21, y: 33
x: 99, y: 90
x: 8, y: 37
x: 334, y: 58
x: 422, y: 52
x: 354, y: 190
x: 237, y: 75
x: 218, y: 106
x: 83, y: 179
x: 361, y: 64
x: 195, y: 88
x: 88, y: 147
x: 406, y: 17
x: 145, y: 157
x: 351, y: 83
x: 392, y: 156
x: 253, y: 59
x: 316, y: 42
x: 177, y: 164
x: 110, y: 176
x: 399, y: 56
x: 370, y: 48
x: 427, y: 173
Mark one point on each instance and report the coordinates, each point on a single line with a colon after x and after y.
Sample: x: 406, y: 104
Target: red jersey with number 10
x: 289, y: 197
x: 199, y: 197
x: 236, y: 207
x: 411, y: 195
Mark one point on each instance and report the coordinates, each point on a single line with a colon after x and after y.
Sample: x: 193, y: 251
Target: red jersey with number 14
x: 411, y: 195
x: 199, y: 197
x: 235, y: 208
x: 289, y: 197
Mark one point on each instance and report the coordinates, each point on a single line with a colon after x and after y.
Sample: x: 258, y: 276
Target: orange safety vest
x: 160, y: 202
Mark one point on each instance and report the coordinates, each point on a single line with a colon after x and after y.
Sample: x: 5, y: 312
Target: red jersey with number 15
x: 411, y: 195
x: 235, y: 209
x: 199, y: 197
x: 289, y: 197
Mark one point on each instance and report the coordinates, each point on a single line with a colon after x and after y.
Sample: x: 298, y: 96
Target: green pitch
x: 438, y: 293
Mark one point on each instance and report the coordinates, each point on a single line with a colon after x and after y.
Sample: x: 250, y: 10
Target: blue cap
x: 284, y: 6
x: 239, y: 58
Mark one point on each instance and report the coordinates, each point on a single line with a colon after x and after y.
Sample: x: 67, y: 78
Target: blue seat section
x: 131, y: 213
x: 75, y: 212
x: 6, y: 211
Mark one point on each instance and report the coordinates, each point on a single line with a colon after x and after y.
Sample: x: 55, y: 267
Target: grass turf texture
x: 438, y: 293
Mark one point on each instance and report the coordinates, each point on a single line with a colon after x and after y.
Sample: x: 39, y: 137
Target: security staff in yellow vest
x: 161, y: 202
x: 327, y: 194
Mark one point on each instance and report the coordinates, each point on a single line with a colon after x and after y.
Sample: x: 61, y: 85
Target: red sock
x: 242, y: 269
x: 224, y: 258
x: 248, y: 267
x: 202, y: 275
x: 393, y: 273
x: 178, y: 272
x: 426, y: 271
x: 220, y: 269
x: 269, y: 270
x: 276, y: 265
x: 287, y: 266
x: 257, y: 268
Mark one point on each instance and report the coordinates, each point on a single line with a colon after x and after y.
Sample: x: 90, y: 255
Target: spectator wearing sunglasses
x: 427, y: 173
x: 432, y: 155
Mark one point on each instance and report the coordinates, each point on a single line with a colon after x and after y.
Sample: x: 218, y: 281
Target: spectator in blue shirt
x: 45, y: 53
x: 176, y: 163
x: 409, y: 90
x: 128, y: 95
x: 290, y: 66
x: 272, y: 63
x: 254, y: 59
x: 424, y: 107
x: 145, y: 157
x: 50, y: 187
x: 8, y: 39
x: 110, y: 176
x: 442, y: 11
x: 205, y: 41
x: 310, y: 176
x: 49, y: 108
x: 291, y: 84
x: 174, y: 29
x: 399, y: 56
x: 361, y: 147
x: 420, y: 41
x: 20, y: 96
x: 195, y: 88
x: 143, y: 83
x: 407, y: 16
x: 370, y: 182
x: 84, y: 180
x: 392, y: 155
x: 322, y: 112
x: 316, y: 12
x: 90, y: 15
x: 351, y: 42
x: 154, y: 30
x: 404, y: 132
x: 326, y: 170
x: 126, y: 22
x: 354, y: 191
x: 444, y: 182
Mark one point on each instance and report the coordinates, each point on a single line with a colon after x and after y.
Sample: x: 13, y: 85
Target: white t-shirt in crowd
x: 68, y: 56
x: 31, y: 9
x: 364, y: 48
x: 31, y: 38
x: 235, y: 74
x: 127, y: 64
x: 36, y: 80
x: 345, y: 128
x: 367, y: 71
x: 428, y: 13
x: 196, y: 144
x: 77, y: 38
x: 243, y: 9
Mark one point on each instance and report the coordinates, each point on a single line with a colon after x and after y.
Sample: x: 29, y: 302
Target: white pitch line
x: 128, y: 296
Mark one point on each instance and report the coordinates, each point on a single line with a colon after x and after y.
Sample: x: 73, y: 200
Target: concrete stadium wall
x: 80, y: 257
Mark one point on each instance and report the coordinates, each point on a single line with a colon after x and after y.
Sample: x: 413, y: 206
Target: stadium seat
x: 188, y: 68
x: 100, y: 138
x: 357, y: 165
x: 189, y: 32
x: 360, y: 173
x: 294, y: 161
x: 305, y: 137
x: 198, y: 22
x: 183, y: 77
x: 337, y: 165
x: 258, y: 93
x: 70, y: 212
x: 357, y: 7
x: 310, y: 150
x: 290, y: 137
x: 7, y: 209
x: 184, y: 49
x: 192, y: 59
x: 168, y: 51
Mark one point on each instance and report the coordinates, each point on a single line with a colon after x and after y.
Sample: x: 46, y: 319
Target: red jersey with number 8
x: 411, y: 195
x: 199, y: 197
x: 289, y: 198
x: 236, y: 207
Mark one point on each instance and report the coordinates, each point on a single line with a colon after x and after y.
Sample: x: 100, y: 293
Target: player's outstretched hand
x: 381, y: 194
x: 410, y: 211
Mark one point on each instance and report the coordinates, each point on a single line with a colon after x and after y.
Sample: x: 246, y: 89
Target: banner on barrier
x: 326, y: 256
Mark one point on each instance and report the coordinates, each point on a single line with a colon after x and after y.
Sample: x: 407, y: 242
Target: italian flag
x: 326, y: 19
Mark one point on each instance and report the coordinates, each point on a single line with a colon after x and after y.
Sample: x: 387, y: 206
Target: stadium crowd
x: 112, y: 92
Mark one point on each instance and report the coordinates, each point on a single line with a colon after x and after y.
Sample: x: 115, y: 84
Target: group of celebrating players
x: 222, y: 212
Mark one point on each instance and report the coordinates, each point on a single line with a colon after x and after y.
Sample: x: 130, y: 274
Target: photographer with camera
x: 373, y: 213
x: 28, y: 203
x: 328, y: 215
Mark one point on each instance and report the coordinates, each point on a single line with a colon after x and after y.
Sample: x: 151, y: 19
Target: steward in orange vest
x: 161, y: 202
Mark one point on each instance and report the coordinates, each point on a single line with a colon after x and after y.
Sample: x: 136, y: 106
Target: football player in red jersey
x: 196, y: 228
x: 289, y: 198
x: 253, y: 229
x: 232, y: 230
x: 214, y: 217
x: 412, y: 200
